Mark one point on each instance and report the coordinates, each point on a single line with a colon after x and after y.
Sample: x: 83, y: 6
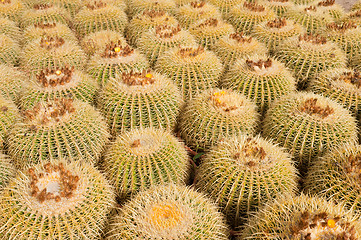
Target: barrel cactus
x: 51, y: 29
x: 9, y: 50
x: 98, y: 41
x: 137, y: 6
x: 11, y: 9
x: 10, y: 28
x: 9, y: 116
x: 11, y: 82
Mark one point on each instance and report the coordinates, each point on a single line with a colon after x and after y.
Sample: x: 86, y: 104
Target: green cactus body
x: 195, y: 11
x: 115, y: 59
x: 216, y: 114
x: 146, y: 20
x: 310, y: 17
x: 139, y: 100
x: 307, y: 55
x: 97, y: 41
x: 44, y: 13
x: 356, y: 6
x: 342, y: 85
x: 193, y: 69
x: 143, y: 158
x: 11, y: 9
x: 335, y: 10
x: 9, y: 50
x: 275, y: 31
x: 308, y: 125
x: 162, y: 38
x: 49, y: 52
x: 301, y: 217
x: 225, y: 5
x: 168, y: 212
x: 44, y: 29
x: 57, y: 200
x: 280, y: 7
x: 58, y: 83
x: 244, y: 16
x: 138, y: 6
x: 7, y: 170
x: 11, y: 81
x: 10, y: 28
x: 304, y: 2
x: 9, y: 115
x: 208, y: 31
x: 260, y: 78
x: 237, y: 45
x: 61, y: 128
x: 98, y: 16
x: 242, y: 172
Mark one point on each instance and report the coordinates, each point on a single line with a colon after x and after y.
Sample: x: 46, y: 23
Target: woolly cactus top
x: 313, y: 39
x: 56, y: 77
x: 349, y: 80
x: 254, y: 7
x: 240, y: 38
x: 326, y: 3
x: 341, y: 27
x: 166, y: 31
x: 153, y: 13
x: 190, y: 52
x: 51, y: 42
x: 209, y: 23
x: 50, y: 113
x: 353, y: 166
x: 117, y: 50
x: 262, y: 65
x: 226, y: 102
x: 313, y: 107
x: 5, y: 2
x: 45, y: 25
x: 42, y: 6
x: 96, y: 5
x: 133, y: 78
x: 144, y: 143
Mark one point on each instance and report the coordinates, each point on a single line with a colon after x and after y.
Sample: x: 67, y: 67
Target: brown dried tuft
x: 115, y: 49
x: 218, y: 103
x: 315, y: 39
x: 260, y: 64
x: 154, y: 13
x: 311, y: 8
x: 4, y: 108
x: 310, y: 107
x: 96, y: 5
x: 51, y: 42
x: 210, y: 22
x: 165, y: 31
x: 326, y: 3
x: 135, y: 144
x: 281, y: 1
x: 190, y: 52
x: 68, y: 183
x: 254, y: 7
x: 138, y: 78
x: 42, y: 6
x: 239, y: 37
x: 56, y: 76
x: 356, y: 14
x: 351, y: 77
x: 277, y: 23
x: 199, y: 4
x: 342, y: 27
x: 5, y: 1
x: 43, y: 25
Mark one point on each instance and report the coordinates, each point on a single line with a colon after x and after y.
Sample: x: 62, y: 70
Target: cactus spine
x: 98, y: 41
x: 51, y: 200
x: 280, y: 7
x: 193, y: 69
x: 9, y: 116
x: 242, y: 172
x: 225, y: 5
x: 260, y: 78
x: 216, y: 114
x: 137, y: 6
x: 11, y: 9
x: 169, y: 212
x: 140, y: 99
x: 9, y: 28
x: 9, y: 50
x: 11, y: 81
x: 7, y: 170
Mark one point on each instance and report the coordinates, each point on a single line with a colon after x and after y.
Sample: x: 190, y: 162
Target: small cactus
x: 115, y: 59
x: 52, y: 200
x: 38, y: 30
x: 193, y: 69
x: 11, y: 81
x: 9, y: 50
x: 137, y: 6
x: 260, y: 78
x: 162, y: 38
x: 208, y: 31
x: 242, y: 172
x: 60, y: 128
x: 168, y: 212
x: 216, y: 114
x: 244, y: 16
x: 301, y: 217
x: 159, y: 158
x: 140, y: 99
x: 97, y: 41
x: 308, y: 125
x: 57, y: 83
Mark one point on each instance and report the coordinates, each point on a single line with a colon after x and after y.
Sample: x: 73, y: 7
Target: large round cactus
x: 51, y: 29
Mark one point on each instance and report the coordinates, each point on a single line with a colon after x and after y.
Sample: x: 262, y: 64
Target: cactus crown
x: 115, y: 49
x: 253, y: 7
x: 311, y: 107
x: 138, y: 78
x: 310, y: 8
x: 96, y: 5
x: 199, y: 4
x: 353, y: 166
x: 240, y: 38
x: 54, y: 183
x: 54, y: 77
x: 356, y: 14
x: 44, y: 25
x: 153, y: 13
x: 210, y: 22
x: 166, y: 215
x: 314, y: 39
x: 5, y: 2
x: 353, y: 77
x: 249, y: 152
x: 144, y: 143
x: 190, y: 52
x: 277, y: 23
x: 50, y: 113
x: 260, y: 64
x: 320, y: 226
x: 165, y: 31
x: 281, y: 1
x: 42, y: 6
x: 51, y: 42
x: 341, y: 27
x: 223, y: 101
x: 326, y: 3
